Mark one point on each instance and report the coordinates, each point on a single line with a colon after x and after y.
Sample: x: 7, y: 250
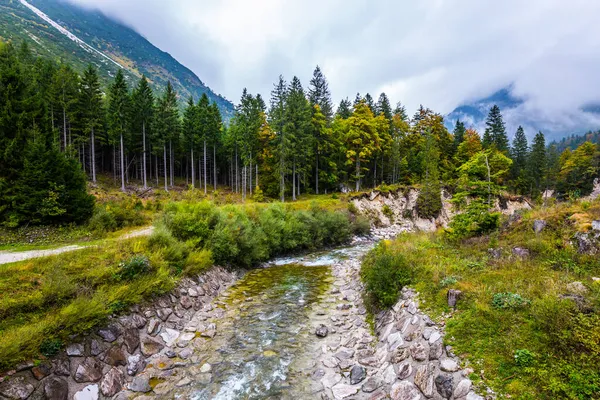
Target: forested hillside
x: 107, y: 44
x: 296, y: 144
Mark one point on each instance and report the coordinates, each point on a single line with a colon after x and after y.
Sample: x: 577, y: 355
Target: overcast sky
x: 440, y: 53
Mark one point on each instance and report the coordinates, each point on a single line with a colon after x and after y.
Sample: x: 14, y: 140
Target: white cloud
x: 439, y: 53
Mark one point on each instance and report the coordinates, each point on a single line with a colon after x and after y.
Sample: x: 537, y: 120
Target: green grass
x: 511, y: 309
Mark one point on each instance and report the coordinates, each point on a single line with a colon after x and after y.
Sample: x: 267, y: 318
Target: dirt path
x: 14, y: 256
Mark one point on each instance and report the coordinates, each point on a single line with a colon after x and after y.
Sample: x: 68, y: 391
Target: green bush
x: 509, y: 301
x: 384, y: 274
x: 448, y: 281
x: 111, y: 216
x: 387, y: 211
x: 50, y: 347
x: 132, y: 268
x: 474, y: 221
x: 361, y: 225
x: 352, y: 208
x: 524, y: 358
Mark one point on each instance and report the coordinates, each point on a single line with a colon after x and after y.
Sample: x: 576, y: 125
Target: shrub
x: 509, y: 301
x: 361, y: 225
x: 50, y: 347
x: 387, y: 211
x: 352, y: 208
x: 198, y: 262
x: 384, y: 274
x: 447, y: 281
x: 132, y: 268
x: 475, y: 220
x: 258, y: 195
x: 524, y: 358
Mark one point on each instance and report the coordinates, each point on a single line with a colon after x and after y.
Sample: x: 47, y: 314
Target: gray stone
x: 169, y: 336
x: 90, y: 370
x: 16, y: 388
x: 453, y: 296
x: 135, y: 364
x: 56, y: 388
x: 577, y: 288
x: 330, y: 379
x: 520, y: 252
x: 436, y: 350
x: 89, y: 392
x: 341, y: 391
x: 186, y: 302
x: 539, y: 225
x: 399, y: 355
x: 474, y: 396
x: 357, y: 374
x: 41, y: 371
x: 131, y: 338
x: 372, y: 384
x: 405, y: 390
x: 424, y: 379
x: 140, y: 383
x: 462, y: 389
x: 444, y: 385
x: 138, y: 321
x: 344, y: 354
x: 62, y: 366
x: 321, y: 331
x: 449, y: 365
x: 163, y: 313
x: 112, y: 382
x: 150, y: 347
x: 394, y: 341
x: 435, y: 336
x: 404, y: 370
x: 495, y: 253
x: 419, y: 352
x: 109, y: 334
x: 75, y: 350
x: 96, y: 347
x: 115, y: 356
x: 153, y: 327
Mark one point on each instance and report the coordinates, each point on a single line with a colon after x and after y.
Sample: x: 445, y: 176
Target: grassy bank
x: 45, y: 301
x: 513, y: 322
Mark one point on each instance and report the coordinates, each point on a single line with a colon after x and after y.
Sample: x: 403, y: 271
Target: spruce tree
x: 459, y: 134
x: 143, y: 113
x: 65, y: 95
x: 495, y: 132
x: 344, y: 110
x: 118, y: 116
x: 371, y: 103
x: 166, y: 124
x: 400, y: 111
x: 190, y: 133
x: 318, y: 93
x: 277, y: 122
x: 519, y: 154
x: 537, y: 162
x: 90, y: 110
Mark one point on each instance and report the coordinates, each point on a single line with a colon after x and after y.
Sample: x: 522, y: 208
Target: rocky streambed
x: 295, y: 329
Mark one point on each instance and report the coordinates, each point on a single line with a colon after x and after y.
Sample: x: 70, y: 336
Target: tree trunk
x: 171, y: 163
x: 215, y: 166
x: 250, y: 180
x: 236, y: 171
x: 165, y: 162
x: 205, y: 177
x: 256, y: 175
x: 294, y: 180
x: 92, y: 156
x: 487, y: 164
x: 122, y: 165
x: 193, y: 171
x: 64, y: 127
x: 317, y: 173
x: 357, y: 174
x: 144, y: 154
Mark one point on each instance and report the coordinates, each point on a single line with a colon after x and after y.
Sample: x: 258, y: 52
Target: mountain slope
x: 62, y: 31
x: 517, y: 111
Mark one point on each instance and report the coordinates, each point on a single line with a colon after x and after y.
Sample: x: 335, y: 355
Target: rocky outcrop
x: 112, y: 358
x: 394, y: 212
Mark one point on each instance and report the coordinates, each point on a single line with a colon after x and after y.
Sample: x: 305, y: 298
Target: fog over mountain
x: 440, y: 53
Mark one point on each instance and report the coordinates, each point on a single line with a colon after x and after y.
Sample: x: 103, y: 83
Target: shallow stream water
x: 266, y: 346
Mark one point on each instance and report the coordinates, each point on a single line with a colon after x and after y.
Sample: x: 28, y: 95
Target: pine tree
x: 459, y: 134
x: 277, y: 122
x: 65, y: 92
x: 90, y: 110
x: 519, y: 154
x: 344, y: 110
x: 216, y: 124
x: 166, y: 124
x: 203, y: 126
x: 537, y: 162
x: 495, y: 132
x: 371, y: 103
x: 400, y: 111
x: 318, y: 126
x: 318, y: 93
x: 361, y: 140
x: 297, y: 120
x: 190, y: 133
x: 118, y: 116
x: 383, y: 106
x: 143, y: 108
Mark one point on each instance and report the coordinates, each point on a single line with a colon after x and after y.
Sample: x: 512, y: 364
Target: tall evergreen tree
x: 344, y: 110
x: 143, y: 112
x: 383, y: 106
x: 429, y: 202
x: 495, y: 132
x: 371, y: 103
x: 537, y: 162
x: 65, y: 92
x: 318, y: 93
x: 118, y: 116
x: 166, y: 124
x: 190, y: 133
x: 89, y: 104
x: 459, y: 134
x: 277, y: 123
x: 519, y: 154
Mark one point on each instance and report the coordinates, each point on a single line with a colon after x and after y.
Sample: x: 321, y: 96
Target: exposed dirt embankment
x: 396, y: 211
